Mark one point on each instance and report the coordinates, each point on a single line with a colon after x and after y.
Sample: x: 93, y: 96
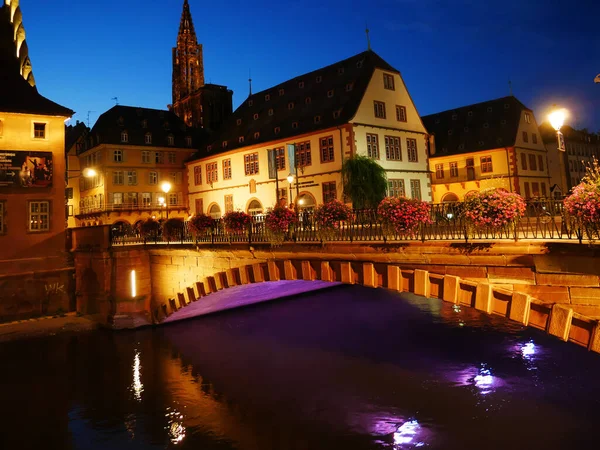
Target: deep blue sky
x: 450, y: 53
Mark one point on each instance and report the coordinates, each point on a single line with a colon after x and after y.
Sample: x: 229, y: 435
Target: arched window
x: 450, y: 197
x: 306, y: 201
x: 255, y: 208
x: 214, y: 211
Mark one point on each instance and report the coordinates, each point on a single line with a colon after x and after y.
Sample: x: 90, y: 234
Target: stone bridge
x: 552, y: 286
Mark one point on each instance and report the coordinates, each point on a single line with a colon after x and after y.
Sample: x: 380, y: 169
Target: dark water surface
x: 345, y: 368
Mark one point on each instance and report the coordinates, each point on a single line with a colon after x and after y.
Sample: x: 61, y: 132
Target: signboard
x: 291, y: 150
x: 561, y: 141
x: 25, y: 169
x: 272, y: 164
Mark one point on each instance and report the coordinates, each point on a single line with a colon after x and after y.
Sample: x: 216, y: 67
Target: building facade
x: 569, y: 167
x: 494, y: 144
x: 357, y: 106
x: 32, y: 162
x: 131, y: 152
x: 198, y: 104
x: 75, y: 139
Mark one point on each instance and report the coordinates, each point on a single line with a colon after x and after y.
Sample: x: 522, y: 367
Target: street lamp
x: 557, y: 119
x: 166, y: 187
x: 290, y: 179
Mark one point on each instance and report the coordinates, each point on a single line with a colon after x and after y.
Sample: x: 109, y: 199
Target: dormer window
x: 317, y: 119
x: 294, y: 125
x: 503, y: 122
x: 437, y: 121
x: 340, y: 70
x: 349, y: 87
x: 144, y: 123
x: 301, y: 84
x: 255, y: 116
x: 224, y: 144
x: 188, y: 141
x: 209, y: 148
x: 170, y: 140
x: 148, y: 138
x: 121, y: 121
x: 359, y: 64
x: 506, y: 106
x: 480, y: 143
x: 319, y: 78
x: 470, y: 114
x: 241, y: 139
x: 238, y: 122
x: 250, y: 102
x: 267, y: 97
x: 277, y: 130
x: 336, y: 114
x: 330, y: 93
x: 291, y: 105
x: 124, y: 136
x: 281, y: 92
x: 308, y: 100
x: 256, y: 135
x: 454, y: 117
x: 486, y: 125
x: 271, y: 111
x: 489, y: 109
x: 461, y: 146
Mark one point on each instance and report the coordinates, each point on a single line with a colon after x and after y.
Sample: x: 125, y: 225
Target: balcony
x: 131, y: 207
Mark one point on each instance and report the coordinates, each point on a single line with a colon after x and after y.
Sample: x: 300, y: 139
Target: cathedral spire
x: 14, y: 54
x: 188, y: 67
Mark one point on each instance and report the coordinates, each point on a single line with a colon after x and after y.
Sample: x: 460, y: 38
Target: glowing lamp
x: 557, y: 118
x: 290, y: 178
x: 88, y: 173
x: 166, y: 187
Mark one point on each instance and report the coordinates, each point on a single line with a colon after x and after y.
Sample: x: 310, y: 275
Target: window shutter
x: 155, y: 196
x: 110, y: 198
x: 180, y: 198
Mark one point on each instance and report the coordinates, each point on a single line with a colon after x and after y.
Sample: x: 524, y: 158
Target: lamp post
x: 290, y: 179
x: 557, y: 119
x: 161, y: 202
x: 166, y: 187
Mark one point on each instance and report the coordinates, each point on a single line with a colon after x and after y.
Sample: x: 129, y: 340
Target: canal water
x: 344, y: 368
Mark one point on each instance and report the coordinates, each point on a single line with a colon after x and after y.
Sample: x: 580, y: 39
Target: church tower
x: 12, y: 18
x: 198, y: 104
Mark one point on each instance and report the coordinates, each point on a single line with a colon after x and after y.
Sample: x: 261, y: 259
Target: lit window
x: 124, y: 137
x: 330, y: 93
x: 281, y: 92
x: 303, y: 154
x: 39, y: 216
x: 170, y: 140
x: 39, y: 130
x: 329, y: 191
x: 486, y: 164
x: 241, y: 139
x: 326, y: 147
x: 212, y: 172
x: 251, y: 164
x: 270, y: 111
x: 256, y: 135
x: 224, y: 144
x: 197, y: 175
x: 255, y: 116
x: 227, y: 169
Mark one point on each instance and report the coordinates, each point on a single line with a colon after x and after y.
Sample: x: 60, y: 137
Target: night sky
x: 450, y: 53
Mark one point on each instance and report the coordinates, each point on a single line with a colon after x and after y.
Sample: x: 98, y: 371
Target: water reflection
x: 408, y: 433
x: 137, y: 387
x: 484, y: 381
x: 175, y: 427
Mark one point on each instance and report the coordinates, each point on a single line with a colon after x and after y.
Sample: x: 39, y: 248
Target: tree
x: 365, y: 182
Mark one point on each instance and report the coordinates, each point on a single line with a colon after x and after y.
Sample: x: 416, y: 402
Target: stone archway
x: 449, y: 197
x: 254, y: 207
x: 214, y: 211
x: 306, y: 201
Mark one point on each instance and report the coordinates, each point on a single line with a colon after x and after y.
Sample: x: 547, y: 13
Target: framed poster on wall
x: 25, y: 169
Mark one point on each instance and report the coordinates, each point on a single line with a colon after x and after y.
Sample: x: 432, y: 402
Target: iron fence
x: 543, y: 219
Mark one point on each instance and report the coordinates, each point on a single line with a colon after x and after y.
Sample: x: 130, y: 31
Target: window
x: 2, y: 217
x: 146, y: 157
x: 146, y: 199
x: 439, y: 171
x: 534, y: 138
x: 326, y: 149
x: 281, y: 92
x: 396, y: 188
x: 39, y: 130
x: 255, y: 116
x: 283, y: 194
x: 303, y: 154
x: 228, y: 204
x: 294, y: 125
x: 227, y: 169
x: 349, y: 87
x: 453, y: 169
x: 131, y: 177
x: 148, y: 138
x: 212, y: 173
x: 124, y: 136
x: 330, y: 93
x: 251, y: 164
x: 256, y: 135
x: 175, y: 177
x: 280, y: 158
x: 250, y: 102
x: 523, y: 161
x: 388, y: 81
x: 411, y: 148
x: 159, y: 157
x: 172, y: 157
x: 308, y: 100
x: 118, y: 178
x: 170, y: 140
x: 525, y: 137
x: 329, y: 192
x: 401, y: 113
x: 544, y: 192
x: 277, y: 130
x: 199, y: 206
x: 117, y: 155
x: 317, y: 119
x: 379, y: 108
x: 241, y: 140
x: 39, y: 216
x: 153, y: 178
x: 1, y: 127
x: 267, y: 98
x: 470, y: 164
x: 527, y: 117
x: 372, y: 146
x: 319, y: 79
x: 486, y: 164
x: 173, y: 198
x: 415, y: 189
x: 301, y: 84
x: 197, y: 175
x: 532, y: 163
x: 541, y: 162
x: 117, y: 198
x: 535, y: 189
x: 270, y: 111
x: 188, y: 141
x: 392, y: 148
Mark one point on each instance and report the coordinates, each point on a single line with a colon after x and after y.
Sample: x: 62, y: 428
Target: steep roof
x: 333, y: 93
x: 482, y: 126
x: 16, y: 94
x: 138, y: 122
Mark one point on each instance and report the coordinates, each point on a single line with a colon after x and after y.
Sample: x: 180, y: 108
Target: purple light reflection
x: 481, y: 377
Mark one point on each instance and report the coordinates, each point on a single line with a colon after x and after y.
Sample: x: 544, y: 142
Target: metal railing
x: 544, y: 220
x: 127, y: 206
